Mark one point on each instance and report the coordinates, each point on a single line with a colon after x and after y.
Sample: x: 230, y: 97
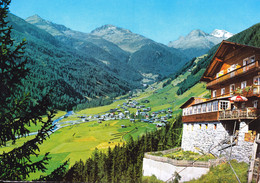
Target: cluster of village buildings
x: 142, y: 113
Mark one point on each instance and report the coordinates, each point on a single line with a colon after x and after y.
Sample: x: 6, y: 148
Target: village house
x: 230, y: 118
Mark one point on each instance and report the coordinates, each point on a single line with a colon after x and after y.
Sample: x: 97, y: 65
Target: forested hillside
x: 72, y: 76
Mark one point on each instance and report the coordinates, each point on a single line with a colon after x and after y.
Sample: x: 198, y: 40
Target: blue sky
x: 160, y: 20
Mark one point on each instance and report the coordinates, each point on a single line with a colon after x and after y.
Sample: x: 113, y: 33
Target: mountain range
x: 97, y: 66
x: 90, y: 67
x: 197, y: 42
x: 129, y: 55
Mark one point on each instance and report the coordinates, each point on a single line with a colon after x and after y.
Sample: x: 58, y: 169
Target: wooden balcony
x: 237, y: 72
x: 248, y: 113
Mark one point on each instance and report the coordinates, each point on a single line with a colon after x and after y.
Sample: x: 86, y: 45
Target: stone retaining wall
x: 208, y: 137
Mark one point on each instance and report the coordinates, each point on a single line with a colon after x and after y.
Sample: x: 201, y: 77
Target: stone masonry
x: 214, y: 138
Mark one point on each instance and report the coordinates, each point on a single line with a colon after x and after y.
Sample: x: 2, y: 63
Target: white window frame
x: 245, y: 62
x: 199, y: 109
x: 209, y: 107
x: 229, y: 69
x: 194, y: 109
x: 255, y: 103
x: 190, y: 110
x: 257, y: 79
x: 222, y: 91
x: 243, y: 84
x: 204, y: 108
x: 214, y: 93
x: 215, y: 106
x: 252, y: 59
x: 230, y: 88
x: 223, y: 105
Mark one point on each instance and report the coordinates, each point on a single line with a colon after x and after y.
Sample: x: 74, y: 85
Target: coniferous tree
x: 17, y: 110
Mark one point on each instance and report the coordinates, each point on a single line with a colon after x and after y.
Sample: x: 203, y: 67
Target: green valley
x: 86, y: 107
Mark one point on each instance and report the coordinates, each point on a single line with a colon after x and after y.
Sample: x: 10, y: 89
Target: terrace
x: 248, y: 113
x: 218, y: 110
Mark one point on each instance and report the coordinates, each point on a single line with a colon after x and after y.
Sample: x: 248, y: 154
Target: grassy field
x: 78, y: 141
x: 35, y: 128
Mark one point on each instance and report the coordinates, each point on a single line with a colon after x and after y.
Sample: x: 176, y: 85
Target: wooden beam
x: 218, y: 59
x: 210, y: 78
x: 252, y: 160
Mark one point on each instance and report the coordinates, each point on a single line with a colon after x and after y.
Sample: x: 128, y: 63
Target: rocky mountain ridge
x: 197, y: 42
x: 130, y: 55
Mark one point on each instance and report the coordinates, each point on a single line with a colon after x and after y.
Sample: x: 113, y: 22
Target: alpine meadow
x: 111, y: 91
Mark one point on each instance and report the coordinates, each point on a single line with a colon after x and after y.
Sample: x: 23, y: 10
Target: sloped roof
x: 218, y: 58
x: 191, y: 100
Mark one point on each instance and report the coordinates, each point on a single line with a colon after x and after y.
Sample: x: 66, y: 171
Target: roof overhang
x: 218, y: 59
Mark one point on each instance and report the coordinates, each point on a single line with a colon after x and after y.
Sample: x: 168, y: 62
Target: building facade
x: 230, y: 118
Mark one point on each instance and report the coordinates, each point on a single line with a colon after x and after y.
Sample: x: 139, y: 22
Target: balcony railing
x: 234, y: 73
x: 248, y: 113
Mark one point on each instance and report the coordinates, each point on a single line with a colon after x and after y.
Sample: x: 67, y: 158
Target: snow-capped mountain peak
x: 197, y: 42
x: 221, y: 34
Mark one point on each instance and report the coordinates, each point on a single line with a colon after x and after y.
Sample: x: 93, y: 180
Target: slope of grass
x: 224, y: 173
x: 78, y: 141
x: 35, y: 128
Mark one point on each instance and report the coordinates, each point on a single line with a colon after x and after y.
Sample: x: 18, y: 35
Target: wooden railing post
x: 252, y: 160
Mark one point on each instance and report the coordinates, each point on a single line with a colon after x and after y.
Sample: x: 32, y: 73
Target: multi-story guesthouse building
x: 230, y: 118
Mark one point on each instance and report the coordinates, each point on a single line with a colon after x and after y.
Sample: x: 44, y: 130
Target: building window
x: 256, y: 80
x: 194, y: 109
x: 219, y: 74
x: 183, y: 112
x: 199, y: 109
x: 214, y: 93
x: 223, y: 105
x: 209, y: 107
x: 190, y: 110
x: 222, y: 91
x: 243, y: 84
x: 215, y: 106
x: 255, y: 103
x: 204, y: 107
x: 252, y: 58
x: 232, y: 88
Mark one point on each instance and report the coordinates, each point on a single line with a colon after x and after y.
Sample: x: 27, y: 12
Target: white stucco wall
x: 165, y: 171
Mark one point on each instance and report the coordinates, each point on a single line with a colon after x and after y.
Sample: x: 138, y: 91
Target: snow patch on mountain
x: 221, y: 34
x: 197, y: 42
